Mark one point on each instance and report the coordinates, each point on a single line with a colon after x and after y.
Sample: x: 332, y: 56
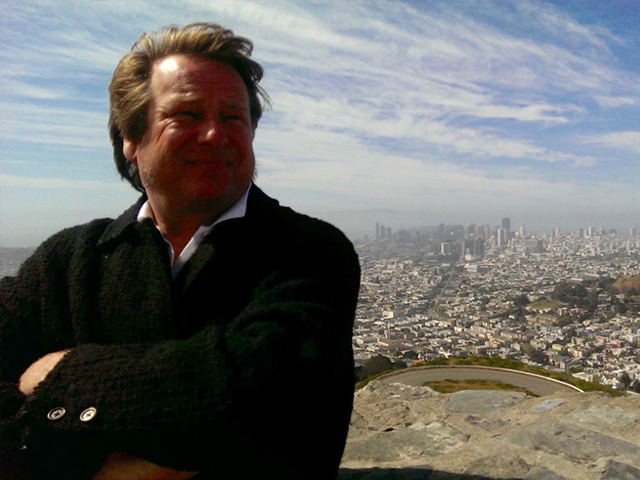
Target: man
x: 206, y: 332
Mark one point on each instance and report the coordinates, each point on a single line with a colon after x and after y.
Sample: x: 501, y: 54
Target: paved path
x: 539, y: 385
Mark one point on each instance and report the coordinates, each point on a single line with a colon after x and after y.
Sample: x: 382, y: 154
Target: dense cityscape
x: 567, y: 301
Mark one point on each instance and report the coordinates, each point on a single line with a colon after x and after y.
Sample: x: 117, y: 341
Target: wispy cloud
x: 40, y: 124
x: 457, y: 106
x: 13, y: 181
x: 622, y: 140
x: 615, y: 101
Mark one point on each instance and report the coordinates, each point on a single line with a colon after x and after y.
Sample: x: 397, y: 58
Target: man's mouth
x: 208, y: 163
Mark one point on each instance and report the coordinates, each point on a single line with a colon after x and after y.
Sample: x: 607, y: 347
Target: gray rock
x: 603, y: 414
x: 485, y: 424
x: 484, y: 435
x: 547, y: 405
x: 620, y: 471
x: 358, y: 426
x: 483, y: 401
x: 578, y: 445
x: 543, y: 473
x: 416, y: 442
x: 399, y: 391
x: 499, y: 466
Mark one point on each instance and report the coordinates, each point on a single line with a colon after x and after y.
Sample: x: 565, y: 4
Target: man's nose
x: 211, y: 131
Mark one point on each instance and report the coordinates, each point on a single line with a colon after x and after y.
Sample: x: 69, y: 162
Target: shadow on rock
x: 406, y: 474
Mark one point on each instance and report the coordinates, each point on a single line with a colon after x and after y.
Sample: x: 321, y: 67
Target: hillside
x: 628, y: 285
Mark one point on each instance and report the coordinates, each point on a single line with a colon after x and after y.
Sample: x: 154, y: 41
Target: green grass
x: 546, y: 303
x: 451, y: 386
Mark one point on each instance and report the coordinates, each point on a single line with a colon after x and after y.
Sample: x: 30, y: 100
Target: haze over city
x: 408, y: 113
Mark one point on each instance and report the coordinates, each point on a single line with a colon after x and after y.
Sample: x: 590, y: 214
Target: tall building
x: 506, y: 226
x: 377, y: 230
x: 534, y: 245
x: 633, y: 231
x: 471, y: 231
x: 500, y: 233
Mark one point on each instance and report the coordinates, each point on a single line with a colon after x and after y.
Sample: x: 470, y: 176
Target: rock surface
x: 403, y: 432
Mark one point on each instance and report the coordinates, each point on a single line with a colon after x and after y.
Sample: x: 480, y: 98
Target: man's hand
x: 38, y: 370
x: 119, y: 466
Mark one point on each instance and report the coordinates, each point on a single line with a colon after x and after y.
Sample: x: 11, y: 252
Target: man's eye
x: 234, y: 118
x: 187, y: 113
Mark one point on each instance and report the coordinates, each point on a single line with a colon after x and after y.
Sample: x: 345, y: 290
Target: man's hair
x: 130, y: 92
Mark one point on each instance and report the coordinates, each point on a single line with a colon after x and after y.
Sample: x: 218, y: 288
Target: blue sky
x: 408, y: 112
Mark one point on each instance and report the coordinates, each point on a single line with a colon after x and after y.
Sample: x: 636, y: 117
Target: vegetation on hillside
x: 628, y: 285
x: 374, y: 367
x: 451, y: 386
x: 515, y: 365
x: 381, y: 365
x: 585, y: 295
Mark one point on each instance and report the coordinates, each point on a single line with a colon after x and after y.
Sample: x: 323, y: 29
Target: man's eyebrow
x: 233, y: 106
x: 181, y: 99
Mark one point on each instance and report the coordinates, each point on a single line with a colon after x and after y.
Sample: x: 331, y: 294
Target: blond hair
x: 129, y: 90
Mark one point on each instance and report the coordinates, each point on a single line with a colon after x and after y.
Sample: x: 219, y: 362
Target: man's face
x: 196, y: 154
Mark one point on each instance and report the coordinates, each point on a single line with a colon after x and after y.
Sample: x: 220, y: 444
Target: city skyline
x: 505, y: 225
x: 419, y: 112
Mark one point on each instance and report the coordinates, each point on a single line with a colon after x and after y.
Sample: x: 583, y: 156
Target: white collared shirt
x: 237, y: 210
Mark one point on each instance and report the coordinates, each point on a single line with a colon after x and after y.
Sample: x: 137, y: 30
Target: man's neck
x: 179, y: 225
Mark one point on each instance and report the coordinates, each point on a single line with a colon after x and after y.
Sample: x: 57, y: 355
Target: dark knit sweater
x: 241, y: 366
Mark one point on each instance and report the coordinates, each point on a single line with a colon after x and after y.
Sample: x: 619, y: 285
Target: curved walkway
x: 534, y: 383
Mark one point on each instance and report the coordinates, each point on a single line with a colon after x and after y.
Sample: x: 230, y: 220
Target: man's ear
x: 130, y: 150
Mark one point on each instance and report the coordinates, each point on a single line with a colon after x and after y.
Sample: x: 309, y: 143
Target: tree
x: 534, y: 354
x: 410, y: 354
x: 576, y: 295
x: 620, y: 307
x: 625, y: 380
x: 521, y: 301
x: 374, y: 366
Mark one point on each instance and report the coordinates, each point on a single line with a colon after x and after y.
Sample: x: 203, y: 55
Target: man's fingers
x: 38, y: 370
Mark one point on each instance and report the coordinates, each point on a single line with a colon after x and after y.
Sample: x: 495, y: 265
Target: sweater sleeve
x: 276, y: 379
x: 24, y: 339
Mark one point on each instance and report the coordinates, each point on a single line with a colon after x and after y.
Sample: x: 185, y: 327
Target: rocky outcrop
x: 404, y: 432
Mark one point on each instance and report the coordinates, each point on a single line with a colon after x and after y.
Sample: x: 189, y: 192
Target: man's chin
x: 213, y: 200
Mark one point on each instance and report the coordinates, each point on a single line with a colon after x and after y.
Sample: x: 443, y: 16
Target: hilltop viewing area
x: 564, y: 306
x: 412, y: 432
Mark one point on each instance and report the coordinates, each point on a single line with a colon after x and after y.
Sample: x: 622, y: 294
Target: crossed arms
x: 158, y: 382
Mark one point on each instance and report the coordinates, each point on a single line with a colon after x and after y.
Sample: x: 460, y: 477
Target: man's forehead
x: 167, y: 65
x: 184, y: 75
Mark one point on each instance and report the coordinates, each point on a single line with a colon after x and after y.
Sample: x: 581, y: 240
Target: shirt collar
x: 237, y: 210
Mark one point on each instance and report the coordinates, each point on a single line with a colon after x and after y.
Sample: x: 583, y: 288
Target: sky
x: 411, y: 113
